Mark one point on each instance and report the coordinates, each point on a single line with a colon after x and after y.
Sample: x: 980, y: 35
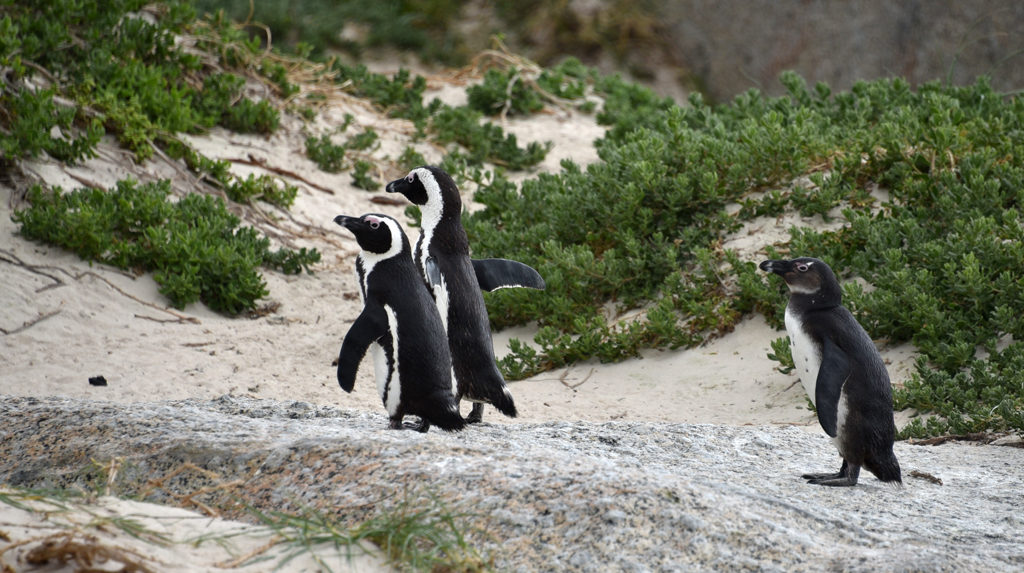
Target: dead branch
x: 9, y: 257
x: 262, y: 164
x: 180, y: 317
x: 30, y: 323
x: 573, y: 387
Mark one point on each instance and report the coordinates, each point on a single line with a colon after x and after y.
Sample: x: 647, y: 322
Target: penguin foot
x: 845, y: 481
x: 476, y: 415
x: 422, y: 427
x: 823, y: 476
x: 845, y: 477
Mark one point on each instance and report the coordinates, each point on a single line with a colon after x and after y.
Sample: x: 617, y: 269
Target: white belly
x: 842, y: 410
x: 806, y: 357
x: 388, y: 379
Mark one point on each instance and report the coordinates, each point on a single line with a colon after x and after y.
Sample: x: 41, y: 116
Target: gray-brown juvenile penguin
x: 455, y: 280
x: 841, y: 371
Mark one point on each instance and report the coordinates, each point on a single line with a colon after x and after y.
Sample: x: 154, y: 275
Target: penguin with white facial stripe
x: 455, y: 280
x: 401, y: 325
x: 841, y: 371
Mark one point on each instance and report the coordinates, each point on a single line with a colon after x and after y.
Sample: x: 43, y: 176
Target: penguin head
x: 808, y: 276
x: 375, y: 233
x: 433, y: 190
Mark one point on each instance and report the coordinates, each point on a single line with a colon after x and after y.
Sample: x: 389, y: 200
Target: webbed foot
x: 397, y: 424
x: 845, y: 477
x: 822, y: 476
x: 476, y: 415
x: 845, y: 481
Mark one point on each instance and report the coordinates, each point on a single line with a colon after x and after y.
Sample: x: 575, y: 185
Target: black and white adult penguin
x: 455, y: 280
x: 400, y: 322
x: 841, y: 371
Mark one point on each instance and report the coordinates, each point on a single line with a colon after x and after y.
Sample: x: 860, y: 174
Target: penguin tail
x: 487, y: 387
x: 504, y: 403
x: 886, y: 468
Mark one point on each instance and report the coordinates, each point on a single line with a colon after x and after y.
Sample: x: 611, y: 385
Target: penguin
x: 401, y: 324
x: 455, y: 280
x: 841, y: 371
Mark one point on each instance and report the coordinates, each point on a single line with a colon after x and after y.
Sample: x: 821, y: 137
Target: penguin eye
x: 374, y: 224
x: 802, y: 267
x: 411, y: 177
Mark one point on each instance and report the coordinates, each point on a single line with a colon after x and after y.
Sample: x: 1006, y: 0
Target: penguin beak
x: 345, y: 221
x: 393, y: 186
x: 777, y: 267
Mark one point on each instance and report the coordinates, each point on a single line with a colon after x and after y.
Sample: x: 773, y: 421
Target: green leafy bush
x: 485, y: 142
x: 504, y: 91
x: 411, y: 158
x: 125, y: 74
x: 118, y: 67
x: 782, y: 354
x: 943, y: 254
x: 194, y: 246
x: 312, y: 26
x: 328, y: 155
x: 400, y: 95
x: 26, y: 128
x: 263, y: 187
x: 361, y: 176
x: 984, y: 396
x: 517, y: 92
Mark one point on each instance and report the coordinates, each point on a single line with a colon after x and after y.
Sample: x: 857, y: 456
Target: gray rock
x: 732, y: 45
x: 554, y: 496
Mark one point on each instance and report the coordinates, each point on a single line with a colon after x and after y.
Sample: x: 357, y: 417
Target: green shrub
x: 943, y: 254
x: 361, y: 176
x: 26, y: 128
x: 194, y: 247
x: 328, y: 155
x: 262, y: 187
x: 363, y: 141
x: 312, y: 26
x: 504, y: 91
x: 484, y: 142
x: 411, y: 158
x: 516, y: 91
x: 117, y: 72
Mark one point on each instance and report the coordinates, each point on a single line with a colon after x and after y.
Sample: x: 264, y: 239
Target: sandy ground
x: 64, y: 321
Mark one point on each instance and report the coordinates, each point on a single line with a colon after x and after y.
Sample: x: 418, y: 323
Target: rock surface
x: 573, y: 496
x: 732, y: 45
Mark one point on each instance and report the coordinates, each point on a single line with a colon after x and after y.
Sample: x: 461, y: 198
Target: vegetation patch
x: 521, y: 88
x: 194, y: 247
x: 639, y: 232
x: 416, y: 531
x: 79, y: 70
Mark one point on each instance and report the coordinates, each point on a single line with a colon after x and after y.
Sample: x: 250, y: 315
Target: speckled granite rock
x: 555, y: 496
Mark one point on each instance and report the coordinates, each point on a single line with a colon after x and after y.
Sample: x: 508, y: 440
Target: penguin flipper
x: 832, y: 374
x: 493, y: 274
x: 369, y: 326
x: 433, y: 271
